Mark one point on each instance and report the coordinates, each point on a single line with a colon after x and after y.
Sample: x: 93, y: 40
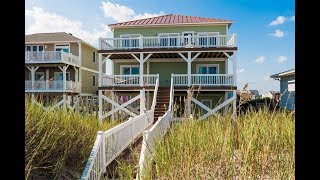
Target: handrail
x: 155, y: 93
x: 157, y: 131
x: 165, y: 42
x: 112, y: 143
x: 50, y: 57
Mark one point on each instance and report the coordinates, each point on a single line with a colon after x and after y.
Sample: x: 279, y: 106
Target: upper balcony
x: 195, y: 41
x: 51, y: 57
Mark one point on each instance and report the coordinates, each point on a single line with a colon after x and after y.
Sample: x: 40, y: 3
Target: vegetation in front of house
x: 260, y: 144
x: 58, y: 143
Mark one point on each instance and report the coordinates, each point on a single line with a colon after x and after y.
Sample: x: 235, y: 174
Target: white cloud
x: 260, y: 59
x: 278, y: 33
x: 121, y: 13
x: 241, y: 70
x: 41, y: 21
x: 279, y: 20
x: 292, y: 18
x: 281, y: 59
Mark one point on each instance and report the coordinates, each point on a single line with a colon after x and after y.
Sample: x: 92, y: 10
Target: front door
x: 186, y: 39
x: 207, y: 69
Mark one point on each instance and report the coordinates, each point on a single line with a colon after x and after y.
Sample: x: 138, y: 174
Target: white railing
x: 155, y: 133
x: 50, y: 85
x: 155, y: 93
x: 111, y: 143
x: 203, y: 79
x: 128, y: 80
x: 168, y: 42
x: 50, y: 57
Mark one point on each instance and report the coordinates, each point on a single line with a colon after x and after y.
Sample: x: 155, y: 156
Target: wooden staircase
x: 163, y: 98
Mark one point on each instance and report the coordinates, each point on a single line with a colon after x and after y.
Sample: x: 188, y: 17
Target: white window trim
x: 208, y: 33
x: 130, y: 66
x: 42, y: 73
x: 168, y: 34
x: 185, y: 32
x: 129, y: 35
x: 207, y: 65
x: 66, y: 44
x: 31, y: 49
x: 67, y: 74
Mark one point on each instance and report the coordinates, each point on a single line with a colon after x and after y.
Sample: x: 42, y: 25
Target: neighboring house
x: 271, y: 95
x: 188, y: 53
x: 254, y: 94
x: 60, y: 66
x: 287, y: 88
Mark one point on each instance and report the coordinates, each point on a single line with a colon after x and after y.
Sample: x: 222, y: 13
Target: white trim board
x: 90, y: 70
x: 172, y: 60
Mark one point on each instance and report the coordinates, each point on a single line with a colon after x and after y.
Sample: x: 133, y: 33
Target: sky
x: 265, y: 29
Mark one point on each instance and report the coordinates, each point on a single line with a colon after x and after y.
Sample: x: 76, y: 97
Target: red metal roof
x: 170, y: 19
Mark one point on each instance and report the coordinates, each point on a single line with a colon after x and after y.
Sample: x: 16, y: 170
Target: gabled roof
x: 54, y: 37
x: 284, y: 73
x: 48, y: 37
x: 170, y: 19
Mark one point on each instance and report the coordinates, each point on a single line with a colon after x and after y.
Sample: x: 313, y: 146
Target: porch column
x: 100, y: 69
x: 64, y: 77
x: 47, y: 78
x: 100, y: 106
x: 80, y: 72
x: 189, y: 101
x: 148, y: 67
x: 112, y: 68
x: 235, y: 68
x: 64, y: 101
x: 141, y: 70
x: 32, y: 77
x: 142, y: 101
x: 234, y: 106
x: 112, y: 106
x: 189, y: 69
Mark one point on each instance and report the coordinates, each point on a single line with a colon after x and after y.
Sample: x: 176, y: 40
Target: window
x: 39, y: 76
x: 34, y: 48
x: 207, y: 69
x: 129, y: 70
x: 129, y: 40
x: 93, y: 80
x: 93, y: 56
x: 62, y: 47
x: 168, y: 39
x: 59, y: 76
x: 208, y: 38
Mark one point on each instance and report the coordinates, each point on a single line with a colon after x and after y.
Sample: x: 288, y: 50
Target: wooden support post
x: 100, y: 105
x: 189, y: 68
x: 189, y: 101
x: 141, y: 69
x: 234, y: 106
x: 142, y: 101
x: 112, y: 106
x: 64, y: 77
x: 64, y: 96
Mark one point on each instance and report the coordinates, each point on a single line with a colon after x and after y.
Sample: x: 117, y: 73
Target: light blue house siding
x: 288, y: 98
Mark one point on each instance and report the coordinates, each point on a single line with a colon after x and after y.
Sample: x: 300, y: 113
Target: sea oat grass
x: 58, y: 143
x: 260, y: 145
